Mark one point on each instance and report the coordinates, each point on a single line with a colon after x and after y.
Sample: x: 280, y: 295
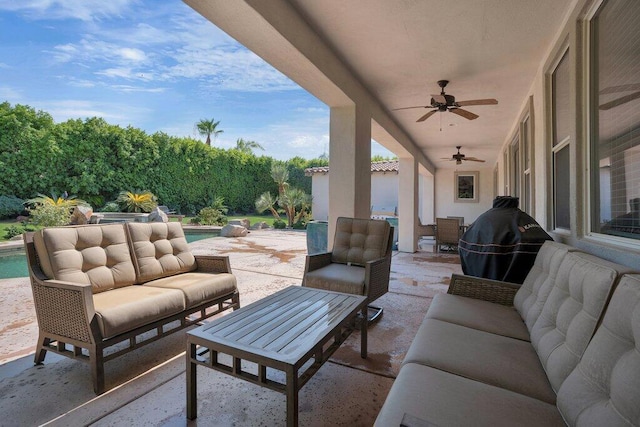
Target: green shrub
x: 196, y: 220
x: 212, y: 216
x: 300, y: 225
x: 13, y: 231
x: 10, y: 206
x: 50, y: 215
x: 278, y: 223
x: 110, y: 207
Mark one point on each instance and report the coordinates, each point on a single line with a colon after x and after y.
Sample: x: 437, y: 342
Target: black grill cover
x: 502, y: 243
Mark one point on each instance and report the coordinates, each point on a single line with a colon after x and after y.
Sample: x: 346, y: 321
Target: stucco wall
x: 444, y: 197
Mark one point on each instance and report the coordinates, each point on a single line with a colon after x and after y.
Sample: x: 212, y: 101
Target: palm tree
x: 247, y: 146
x: 280, y: 175
x: 207, y: 128
x: 266, y: 201
x: 291, y: 200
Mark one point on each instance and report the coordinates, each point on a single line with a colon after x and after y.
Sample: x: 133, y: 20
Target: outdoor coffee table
x: 283, y: 331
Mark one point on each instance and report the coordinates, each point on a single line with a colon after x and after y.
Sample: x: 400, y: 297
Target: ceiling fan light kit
x: 444, y: 102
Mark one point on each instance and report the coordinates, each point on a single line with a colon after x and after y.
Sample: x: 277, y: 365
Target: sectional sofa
x: 560, y: 349
x: 103, y: 290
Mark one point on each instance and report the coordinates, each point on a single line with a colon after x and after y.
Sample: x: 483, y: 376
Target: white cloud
x: 10, y: 94
x: 116, y: 113
x: 84, y: 10
x: 128, y: 89
x: 130, y: 54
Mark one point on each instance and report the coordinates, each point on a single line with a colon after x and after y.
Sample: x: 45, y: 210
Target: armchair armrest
x: 316, y: 261
x: 213, y: 263
x: 376, y: 277
x: 483, y: 289
x: 64, y: 309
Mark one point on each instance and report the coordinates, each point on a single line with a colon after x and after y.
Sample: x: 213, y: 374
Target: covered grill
x: 502, y: 243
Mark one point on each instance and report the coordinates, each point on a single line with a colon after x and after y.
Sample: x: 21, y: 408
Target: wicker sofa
x: 98, y: 286
x: 560, y: 349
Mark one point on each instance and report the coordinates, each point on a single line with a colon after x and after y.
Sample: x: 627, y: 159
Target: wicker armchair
x: 447, y: 232
x: 360, y: 262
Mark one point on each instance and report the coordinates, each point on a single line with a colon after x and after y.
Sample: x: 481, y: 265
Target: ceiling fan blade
x: 473, y: 159
x: 464, y: 113
x: 426, y: 116
x: 620, y: 101
x: 478, y: 102
x: 408, y: 108
x: 446, y: 158
x: 620, y: 88
x: 440, y: 99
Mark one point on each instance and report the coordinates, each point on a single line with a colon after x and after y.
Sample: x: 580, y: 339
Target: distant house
x: 384, y: 188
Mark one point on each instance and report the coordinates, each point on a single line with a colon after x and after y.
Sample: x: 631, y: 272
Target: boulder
x: 158, y: 215
x: 244, y: 222
x: 81, y: 215
x: 231, y: 230
x: 259, y: 225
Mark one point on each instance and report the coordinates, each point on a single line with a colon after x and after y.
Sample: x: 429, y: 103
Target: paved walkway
x: 147, y: 387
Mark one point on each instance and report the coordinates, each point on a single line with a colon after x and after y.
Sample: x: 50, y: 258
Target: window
x: 615, y: 119
x: 525, y: 200
x: 560, y: 87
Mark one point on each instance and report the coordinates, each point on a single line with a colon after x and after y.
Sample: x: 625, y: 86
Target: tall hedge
x: 95, y: 160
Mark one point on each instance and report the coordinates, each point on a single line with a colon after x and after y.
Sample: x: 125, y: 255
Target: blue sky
x: 155, y: 65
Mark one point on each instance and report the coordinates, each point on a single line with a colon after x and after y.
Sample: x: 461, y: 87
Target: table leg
x: 363, y: 333
x: 192, y: 404
x: 292, y: 397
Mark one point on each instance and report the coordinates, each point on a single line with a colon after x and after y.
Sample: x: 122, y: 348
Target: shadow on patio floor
x: 147, y: 387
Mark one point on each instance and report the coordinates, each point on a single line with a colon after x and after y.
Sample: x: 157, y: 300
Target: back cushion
x: 572, y: 312
x: 536, y: 287
x: 159, y: 250
x: 604, y: 389
x: 358, y: 241
x: 96, y: 254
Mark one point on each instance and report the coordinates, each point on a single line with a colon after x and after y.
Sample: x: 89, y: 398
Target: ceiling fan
x: 459, y: 157
x: 623, y: 99
x: 444, y: 102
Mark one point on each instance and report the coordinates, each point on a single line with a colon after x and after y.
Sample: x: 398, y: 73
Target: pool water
x: 14, y: 263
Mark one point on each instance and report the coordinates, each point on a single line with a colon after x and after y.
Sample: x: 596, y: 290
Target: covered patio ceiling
x: 392, y: 53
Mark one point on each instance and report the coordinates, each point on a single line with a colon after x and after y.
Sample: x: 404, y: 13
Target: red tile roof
x: 383, y: 167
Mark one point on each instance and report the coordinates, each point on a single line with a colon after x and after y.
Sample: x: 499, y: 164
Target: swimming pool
x: 13, y: 263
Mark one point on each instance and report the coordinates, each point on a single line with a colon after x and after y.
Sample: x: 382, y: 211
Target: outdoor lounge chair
x: 360, y: 262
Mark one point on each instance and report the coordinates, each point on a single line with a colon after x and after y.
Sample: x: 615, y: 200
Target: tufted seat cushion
x: 159, y: 250
x: 603, y: 389
x: 95, y: 254
x: 358, y: 241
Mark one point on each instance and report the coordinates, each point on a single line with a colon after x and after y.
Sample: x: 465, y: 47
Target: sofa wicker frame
x: 68, y: 326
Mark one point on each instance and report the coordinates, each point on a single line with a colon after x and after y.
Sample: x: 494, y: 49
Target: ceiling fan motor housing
x: 450, y: 101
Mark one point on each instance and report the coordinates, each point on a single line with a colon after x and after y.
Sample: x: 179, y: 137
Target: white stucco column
x: 427, y: 196
x: 349, y: 165
x: 407, y: 204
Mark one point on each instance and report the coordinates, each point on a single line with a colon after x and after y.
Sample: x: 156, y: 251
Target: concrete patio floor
x: 147, y: 387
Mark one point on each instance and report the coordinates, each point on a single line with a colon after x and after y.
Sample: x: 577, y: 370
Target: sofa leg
x: 41, y: 350
x: 97, y: 370
x: 235, y: 299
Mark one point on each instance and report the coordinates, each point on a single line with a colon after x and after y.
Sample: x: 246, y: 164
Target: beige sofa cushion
x: 95, y: 254
x: 604, y: 390
x: 504, y: 362
x: 439, y: 398
x: 337, y: 278
x: 536, y: 287
x: 478, y: 314
x: 358, y: 241
x: 198, y: 287
x: 159, y: 250
x: 121, y: 310
x: 572, y: 311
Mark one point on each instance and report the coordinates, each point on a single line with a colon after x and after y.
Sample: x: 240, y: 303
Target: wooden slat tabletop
x: 284, y: 326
